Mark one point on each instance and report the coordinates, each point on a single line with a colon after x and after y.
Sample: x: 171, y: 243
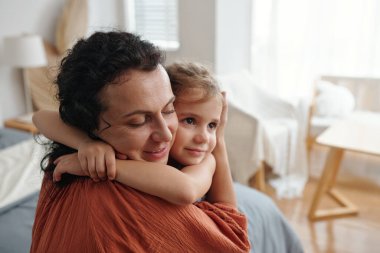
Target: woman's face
x: 139, y: 120
x: 196, y: 134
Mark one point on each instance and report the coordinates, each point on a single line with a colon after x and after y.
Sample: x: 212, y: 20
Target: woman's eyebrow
x: 170, y: 101
x: 146, y: 112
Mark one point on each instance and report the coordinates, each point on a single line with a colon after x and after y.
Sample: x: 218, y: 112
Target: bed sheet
x: 16, y: 222
x: 9, y: 137
x: 269, y: 231
x: 20, y: 173
x: 16, y: 213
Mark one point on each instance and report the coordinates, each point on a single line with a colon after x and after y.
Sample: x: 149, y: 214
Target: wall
x: 105, y: 15
x: 17, y: 17
x: 215, y: 33
x: 196, y: 32
x: 233, y: 36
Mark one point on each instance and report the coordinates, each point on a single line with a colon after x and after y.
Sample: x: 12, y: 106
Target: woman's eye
x: 139, y: 121
x: 212, y: 125
x: 169, y: 112
x: 135, y: 124
x: 190, y: 121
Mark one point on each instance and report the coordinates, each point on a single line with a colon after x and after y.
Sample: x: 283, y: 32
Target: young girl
x: 201, y: 110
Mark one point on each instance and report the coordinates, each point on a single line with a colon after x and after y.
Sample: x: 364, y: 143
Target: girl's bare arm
x: 97, y: 159
x: 50, y: 125
x: 179, y: 187
x: 176, y: 186
x: 222, y: 189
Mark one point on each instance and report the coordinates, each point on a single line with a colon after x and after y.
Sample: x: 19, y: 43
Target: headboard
x: 72, y: 25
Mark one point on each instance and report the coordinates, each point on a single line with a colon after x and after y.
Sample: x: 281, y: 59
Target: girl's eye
x: 190, y: 121
x: 212, y: 125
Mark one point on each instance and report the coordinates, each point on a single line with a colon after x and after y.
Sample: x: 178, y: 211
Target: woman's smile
x: 157, y: 154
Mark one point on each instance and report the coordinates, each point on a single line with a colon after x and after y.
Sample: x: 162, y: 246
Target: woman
x: 99, y: 109
x: 103, y: 83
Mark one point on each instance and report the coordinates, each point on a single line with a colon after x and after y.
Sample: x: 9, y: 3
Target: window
x: 296, y: 41
x: 156, y: 21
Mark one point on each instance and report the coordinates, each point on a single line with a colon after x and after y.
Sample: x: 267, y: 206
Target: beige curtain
x: 72, y: 25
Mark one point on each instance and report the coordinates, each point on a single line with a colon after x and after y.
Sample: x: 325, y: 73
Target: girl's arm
x: 222, y: 189
x: 97, y: 159
x: 50, y: 125
x: 178, y: 187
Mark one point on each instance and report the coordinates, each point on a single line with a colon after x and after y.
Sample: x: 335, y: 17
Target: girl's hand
x: 97, y: 159
x: 67, y: 164
x: 223, y: 118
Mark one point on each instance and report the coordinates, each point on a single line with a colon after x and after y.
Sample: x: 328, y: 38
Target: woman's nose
x: 162, y: 132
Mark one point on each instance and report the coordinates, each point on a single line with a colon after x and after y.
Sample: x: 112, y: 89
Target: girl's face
x: 196, y: 134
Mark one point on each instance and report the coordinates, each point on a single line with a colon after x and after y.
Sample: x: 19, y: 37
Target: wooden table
x: 359, y: 133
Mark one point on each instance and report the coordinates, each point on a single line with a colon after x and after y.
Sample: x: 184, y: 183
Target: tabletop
x: 358, y: 132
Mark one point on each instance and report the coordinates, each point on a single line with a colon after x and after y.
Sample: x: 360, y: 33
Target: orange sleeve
x: 230, y: 222
x: 85, y: 216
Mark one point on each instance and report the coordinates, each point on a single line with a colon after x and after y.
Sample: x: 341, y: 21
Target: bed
x: 19, y: 187
x: 20, y: 180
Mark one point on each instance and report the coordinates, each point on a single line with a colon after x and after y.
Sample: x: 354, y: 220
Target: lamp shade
x: 25, y: 51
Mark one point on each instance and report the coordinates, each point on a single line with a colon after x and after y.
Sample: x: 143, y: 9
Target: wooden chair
x: 262, y: 129
x: 366, y: 92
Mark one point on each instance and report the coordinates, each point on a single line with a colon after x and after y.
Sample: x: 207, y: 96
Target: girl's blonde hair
x: 186, y: 77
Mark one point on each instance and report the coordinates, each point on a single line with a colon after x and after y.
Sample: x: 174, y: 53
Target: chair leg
x: 309, y: 147
x: 260, y: 178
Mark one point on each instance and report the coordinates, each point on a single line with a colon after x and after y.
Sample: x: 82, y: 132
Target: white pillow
x: 333, y: 100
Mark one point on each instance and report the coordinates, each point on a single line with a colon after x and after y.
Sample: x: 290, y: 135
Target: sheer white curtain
x: 294, y: 41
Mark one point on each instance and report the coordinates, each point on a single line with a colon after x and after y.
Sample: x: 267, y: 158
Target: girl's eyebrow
x: 193, y: 115
x: 147, y: 112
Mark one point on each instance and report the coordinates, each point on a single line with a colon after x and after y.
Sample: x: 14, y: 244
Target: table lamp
x: 25, y: 51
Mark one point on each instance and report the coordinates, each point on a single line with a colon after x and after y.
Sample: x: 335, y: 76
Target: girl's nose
x: 201, y: 136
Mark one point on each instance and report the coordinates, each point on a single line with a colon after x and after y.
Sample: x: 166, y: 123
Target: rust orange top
x: 85, y: 216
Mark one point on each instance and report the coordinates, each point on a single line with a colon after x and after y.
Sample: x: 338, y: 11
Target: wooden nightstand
x: 21, y: 124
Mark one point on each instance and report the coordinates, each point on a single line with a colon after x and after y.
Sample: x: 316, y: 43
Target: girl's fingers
x: 56, y: 161
x: 111, y: 166
x: 225, y: 108
x: 83, y: 165
x: 92, y: 169
x: 57, y: 175
x: 100, y: 167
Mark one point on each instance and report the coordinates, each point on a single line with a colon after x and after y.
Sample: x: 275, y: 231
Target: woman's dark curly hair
x: 89, y: 66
